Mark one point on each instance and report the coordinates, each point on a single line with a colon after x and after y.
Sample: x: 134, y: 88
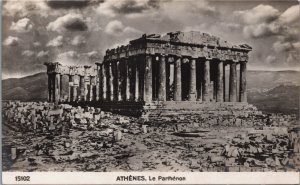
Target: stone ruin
x: 177, y: 71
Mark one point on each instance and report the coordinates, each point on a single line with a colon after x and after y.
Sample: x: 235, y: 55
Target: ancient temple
x: 153, y: 70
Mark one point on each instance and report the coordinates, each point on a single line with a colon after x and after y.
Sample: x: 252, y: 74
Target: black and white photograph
x: 150, y: 86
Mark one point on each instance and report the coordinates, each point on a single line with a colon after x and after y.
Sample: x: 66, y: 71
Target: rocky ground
x: 45, y: 137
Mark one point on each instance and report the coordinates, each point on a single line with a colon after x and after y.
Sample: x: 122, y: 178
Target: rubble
x: 89, y: 139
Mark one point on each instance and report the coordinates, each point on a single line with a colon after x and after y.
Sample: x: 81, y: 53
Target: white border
x: 191, y: 178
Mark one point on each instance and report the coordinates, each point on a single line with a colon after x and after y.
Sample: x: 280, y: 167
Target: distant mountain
x: 29, y: 88
x: 281, y: 99
x: 266, y: 80
x: 270, y: 91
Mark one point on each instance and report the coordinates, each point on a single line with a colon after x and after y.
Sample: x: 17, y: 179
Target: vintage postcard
x: 150, y: 92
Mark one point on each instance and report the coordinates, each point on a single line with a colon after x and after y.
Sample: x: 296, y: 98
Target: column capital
x: 208, y: 58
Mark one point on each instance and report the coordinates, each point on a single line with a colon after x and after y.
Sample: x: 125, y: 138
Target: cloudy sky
x: 79, y: 32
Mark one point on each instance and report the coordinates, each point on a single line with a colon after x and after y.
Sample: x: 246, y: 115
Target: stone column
x: 60, y: 87
x: 82, y: 88
x: 123, y: 74
x: 128, y: 73
x: 177, y: 80
x: 232, y: 82
x: 50, y: 87
x: 75, y: 88
x: 162, y: 79
x: 97, y: 88
x: 111, y: 80
x: 192, y: 85
x: 86, y: 88
x: 92, y: 87
x: 243, y: 82
x: 137, y: 80
x: 115, y: 80
x: 206, y: 81
x: 220, y: 97
x: 104, y: 86
x: 119, y: 79
x: 86, y: 79
x: 57, y: 87
x: 132, y: 69
x: 148, y: 79
x: 97, y: 98
x: 70, y: 88
x: 224, y: 82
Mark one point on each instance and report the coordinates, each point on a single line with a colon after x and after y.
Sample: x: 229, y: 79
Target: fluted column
x: 148, y: 79
x: 224, y: 82
x: 75, y: 85
x: 70, y: 88
x: 119, y: 80
x: 115, y: 80
x: 50, y: 87
x: 98, y: 82
x: 123, y: 69
x: 220, y: 97
x: 192, y: 84
x: 57, y: 88
x: 128, y: 73
x: 243, y: 82
x: 104, y: 86
x: 162, y: 79
x: 206, y: 81
x: 82, y: 88
x: 232, y: 82
x: 177, y: 80
x: 137, y: 80
x: 60, y: 87
x: 86, y: 88
x: 86, y: 81
x: 93, y: 88
x: 112, y: 84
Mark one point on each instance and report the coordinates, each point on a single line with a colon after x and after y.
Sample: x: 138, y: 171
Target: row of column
x: 85, y: 90
x: 133, y: 79
x: 147, y: 78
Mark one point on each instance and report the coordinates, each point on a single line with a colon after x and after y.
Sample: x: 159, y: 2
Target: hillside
x: 271, y: 91
x: 281, y: 99
x: 30, y: 88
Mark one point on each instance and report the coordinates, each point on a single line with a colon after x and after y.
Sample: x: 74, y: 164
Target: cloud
x: 262, y: 30
x: 71, y: 22
x: 36, y: 44
x: 56, y: 42
x: 27, y: 53
x: 203, y: 7
x: 42, y: 54
x: 270, y: 59
x: 24, y: 8
x: 78, y: 40
x: 279, y: 46
x: 68, y: 54
x: 11, y: 41
x: 265, y: 21
x: 67, y: 4
x: 291, y: 15
x: 68, y: 58
x: 116, y: 27
x: 22, y: 26
x: 112, y: 8
x: 92, y: 25
x: 259, y: 14
x: 94, y: 55
x: 75, y: 58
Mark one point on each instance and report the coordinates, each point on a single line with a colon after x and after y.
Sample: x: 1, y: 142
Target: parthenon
x: 175, y: 67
